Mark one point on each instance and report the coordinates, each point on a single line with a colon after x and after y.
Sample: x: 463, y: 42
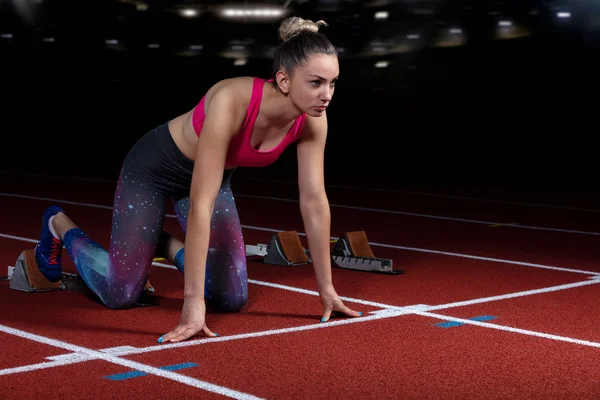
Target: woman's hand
x: 333, y: 304
x: 191, y: 323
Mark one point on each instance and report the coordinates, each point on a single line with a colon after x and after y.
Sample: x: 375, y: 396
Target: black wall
x: 506, y: 113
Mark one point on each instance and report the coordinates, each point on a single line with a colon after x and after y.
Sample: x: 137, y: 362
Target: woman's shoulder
x: 239, y: 86
x: 238, y: 90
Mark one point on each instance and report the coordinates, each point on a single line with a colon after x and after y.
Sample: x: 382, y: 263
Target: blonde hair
x: 292, y: 26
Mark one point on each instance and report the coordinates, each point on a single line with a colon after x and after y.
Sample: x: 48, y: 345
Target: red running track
x: 538, y: 345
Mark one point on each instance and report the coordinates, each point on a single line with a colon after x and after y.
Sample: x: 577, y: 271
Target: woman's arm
x: 314, y: 207
x: 209, y: 164
x: 220, y: 125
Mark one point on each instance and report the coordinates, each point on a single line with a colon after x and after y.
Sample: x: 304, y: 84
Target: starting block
x: 284, y: 248
x: 352, y: 251
x: 25, y: 276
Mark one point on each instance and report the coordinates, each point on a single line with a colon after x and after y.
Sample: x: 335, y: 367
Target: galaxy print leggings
x: 153, y: 171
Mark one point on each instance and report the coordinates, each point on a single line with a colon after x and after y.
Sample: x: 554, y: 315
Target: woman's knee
x: 123, y: 297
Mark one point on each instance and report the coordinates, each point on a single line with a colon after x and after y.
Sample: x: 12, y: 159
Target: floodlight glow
x: 189, y: 12
x: 253, y: 13
x: 381, y: 64
x: 381, y: 15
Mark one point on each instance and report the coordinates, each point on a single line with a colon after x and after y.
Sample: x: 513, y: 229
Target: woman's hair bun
x: 292, y: 26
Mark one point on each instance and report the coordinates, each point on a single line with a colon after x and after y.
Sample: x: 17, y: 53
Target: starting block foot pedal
x: 352, y: 251
x: 353, y: 244
x: 27, y: 277
x: 380, y: 265
x: 285, y: 249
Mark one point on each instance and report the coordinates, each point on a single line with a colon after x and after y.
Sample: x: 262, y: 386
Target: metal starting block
x: 352, y: 251
x: 26, y: 276
x: 256, y: 250
x: 284, y: 248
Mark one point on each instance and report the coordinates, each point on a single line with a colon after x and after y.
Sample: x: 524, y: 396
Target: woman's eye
x: 318, y: 83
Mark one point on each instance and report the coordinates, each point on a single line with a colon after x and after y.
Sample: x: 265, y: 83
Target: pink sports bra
x: 241, y: 152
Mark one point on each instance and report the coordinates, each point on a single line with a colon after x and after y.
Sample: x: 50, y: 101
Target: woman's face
x: 312, y: 85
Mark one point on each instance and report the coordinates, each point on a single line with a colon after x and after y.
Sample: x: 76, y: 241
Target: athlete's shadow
x: 175, y: 305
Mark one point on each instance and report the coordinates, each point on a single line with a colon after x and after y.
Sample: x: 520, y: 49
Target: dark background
x: 514, y: 113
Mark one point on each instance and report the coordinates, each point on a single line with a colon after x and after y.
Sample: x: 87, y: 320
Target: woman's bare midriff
x: 183, y: 134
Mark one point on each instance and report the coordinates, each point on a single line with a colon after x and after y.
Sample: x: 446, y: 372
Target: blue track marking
x: 135, y: 374
x: 452, y: 324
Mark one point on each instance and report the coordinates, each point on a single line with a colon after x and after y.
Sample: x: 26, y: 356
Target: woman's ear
x: 283, y: 81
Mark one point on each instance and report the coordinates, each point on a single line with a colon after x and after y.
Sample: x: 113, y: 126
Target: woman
x: 242, y: 121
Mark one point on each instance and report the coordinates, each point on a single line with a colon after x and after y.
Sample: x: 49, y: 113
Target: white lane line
x: 440, y: 195
x: 42, y: 365
x: 272, y: 332
x: 337, y: 186
x: 387, y: 311
x: 384, y: 306
x: 391, y: 246
x: 72, y: 178
x: 498, y: 260
x: 514, y: 295
x: 77, y: 203
x: 81, y: 354
x: 17, y: 238
x: 451, y: 254
x: 186, y: 380
x: 472, y: 221
x: 509, y: 329
x: 495, y: 223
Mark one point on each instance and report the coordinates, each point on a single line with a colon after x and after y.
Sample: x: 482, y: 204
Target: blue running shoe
x: 48, y: 251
